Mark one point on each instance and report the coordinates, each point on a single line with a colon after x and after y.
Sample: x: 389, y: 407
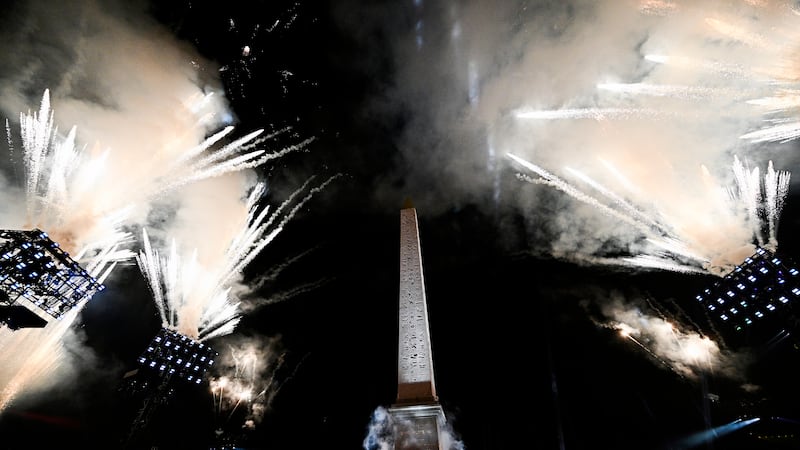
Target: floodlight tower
x: 39, y: 282
x: 755, y: 302
x: 169, y: 361
x: 417, y: 416
x: 754, y: 308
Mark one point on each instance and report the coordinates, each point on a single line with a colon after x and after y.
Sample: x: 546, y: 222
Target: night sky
x: 407, y: 101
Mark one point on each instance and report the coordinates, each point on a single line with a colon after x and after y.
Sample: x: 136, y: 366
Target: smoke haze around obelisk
x: 581, y: 87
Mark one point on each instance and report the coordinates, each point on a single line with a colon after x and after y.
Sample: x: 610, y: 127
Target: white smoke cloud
x: 247, y: 376
x: 130, y: 88
x: 461, y: 71
x: 126, y: 84
x: 379, y: 431
x: 382, y: 426
x: 687, y: 352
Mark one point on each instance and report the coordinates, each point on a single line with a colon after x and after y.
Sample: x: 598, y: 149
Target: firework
x: 71, y: 196
x: 249, y: 376
x: 723, y: 80
x: 759, y: 72
x: 753, y: 208
x: 195, y: 299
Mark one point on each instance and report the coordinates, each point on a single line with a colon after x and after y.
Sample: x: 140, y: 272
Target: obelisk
x: 417, y: 416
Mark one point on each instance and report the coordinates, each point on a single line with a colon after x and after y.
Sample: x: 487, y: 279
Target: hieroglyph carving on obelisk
x: 415, y: 363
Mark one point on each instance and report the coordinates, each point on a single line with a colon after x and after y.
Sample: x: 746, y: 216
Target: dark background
x: 519, y: 358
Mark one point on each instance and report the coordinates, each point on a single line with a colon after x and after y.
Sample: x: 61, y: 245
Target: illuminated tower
x: 39, y: 282
x: 417, y: 416
x: 171, y: 361
x: 756, y: 302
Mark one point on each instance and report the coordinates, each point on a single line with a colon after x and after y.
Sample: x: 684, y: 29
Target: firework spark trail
x: 272, y: 273
x: 660, y: 262
x: 781, y: 102
x: 629, y: 209
x: 194, y: 299
x: 249, y: 379
x: 211, y: 166
x: 661, y: 239
x: 784, y: 100
x: 59, y: 178
x: 552, y: 180
x: 626, y: 331
x: 657, y: 7
x: 226, y: 391
x: 781, y: 133
x: 243, y: 380
x: 189, y: 301
x: 287, y: 294
x: 689, y: 353
x: 772, y: 40
x: 249, y: 243
x: 584, y: 113
x: 777, y: 188
x: 758, y: 198
x: 686, y: 354
x: 749, y: 192
x: 762, y: 199
x: 50, y: 164
x: 218, y: 386
x: 664, y: 238
x: 686, y: 318
x: 673, y: 91
x: 722, y: 69
x: 31, y: 355
x: 676, y: 246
